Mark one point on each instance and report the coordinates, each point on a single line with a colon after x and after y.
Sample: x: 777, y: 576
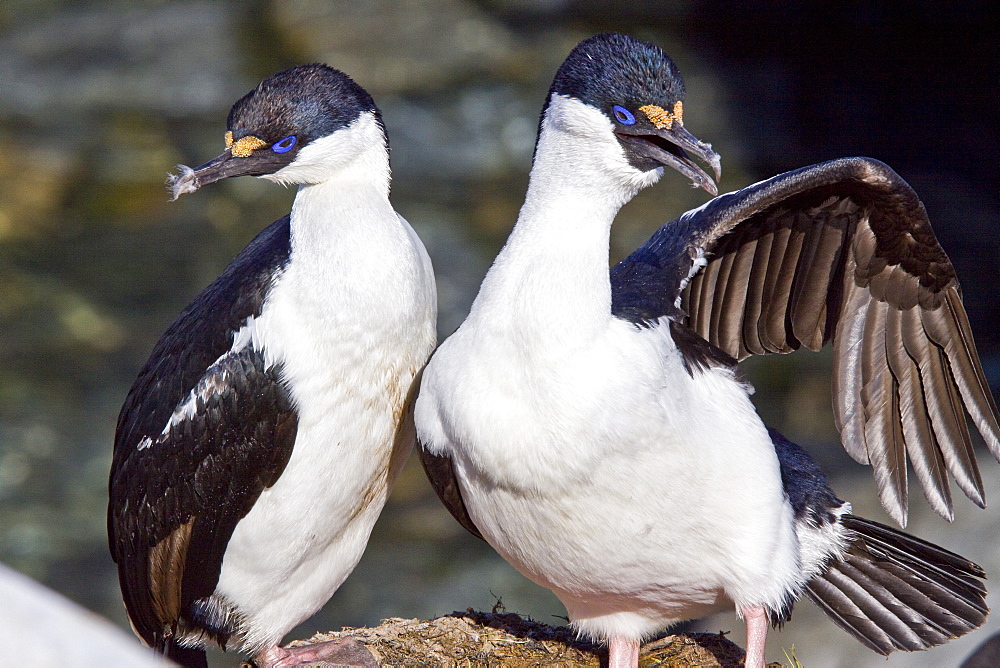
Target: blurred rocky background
x: 99, y: 100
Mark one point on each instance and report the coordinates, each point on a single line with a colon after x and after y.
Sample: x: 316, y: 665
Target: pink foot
x: 756, y: 621
x: 341, y: 652
x: 622, y: 652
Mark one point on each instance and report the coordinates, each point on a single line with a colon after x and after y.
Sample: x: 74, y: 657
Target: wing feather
x: 706, y: 293
x: 883, y: 432
x: 753, y: 304
x: 771, y: 326
x: 817, y: 270
x: 949, y: 328
x: 847, y: 345
x: 731, y: 323
x: 203, y: 422
x: 722, y: 282
x: 840, y: 252
x: 944, y: 407
x: 921, y: 444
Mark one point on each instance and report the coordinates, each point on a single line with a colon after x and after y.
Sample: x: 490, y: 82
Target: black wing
x: 440, y: 471
x: 837, y: 252
x: 167, y: 528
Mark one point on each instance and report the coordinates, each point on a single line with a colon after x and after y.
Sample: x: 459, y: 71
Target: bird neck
x: 345, y: 223
x: 552, y: 274
x: 357, y: 266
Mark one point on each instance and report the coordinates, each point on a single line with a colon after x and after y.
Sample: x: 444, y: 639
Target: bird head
x: 626, y: 97
x: 297, y: 126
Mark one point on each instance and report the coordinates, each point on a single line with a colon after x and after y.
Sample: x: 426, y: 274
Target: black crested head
x: 268, y: 126
x: 614, y: 69
x: 308, y: 101
x: 639, y: 90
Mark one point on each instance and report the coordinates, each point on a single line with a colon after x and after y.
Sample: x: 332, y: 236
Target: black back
x: 175, y: 503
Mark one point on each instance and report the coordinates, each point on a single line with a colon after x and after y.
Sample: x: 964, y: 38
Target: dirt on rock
x: 477, y: 639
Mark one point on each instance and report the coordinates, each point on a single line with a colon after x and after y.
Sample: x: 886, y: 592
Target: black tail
x: 894, y: 591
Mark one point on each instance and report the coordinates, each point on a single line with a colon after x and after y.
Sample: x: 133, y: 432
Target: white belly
x: 350, y: 374
x: 637, y: 504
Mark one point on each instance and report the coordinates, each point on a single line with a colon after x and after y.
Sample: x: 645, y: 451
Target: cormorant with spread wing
x: 591, y: 426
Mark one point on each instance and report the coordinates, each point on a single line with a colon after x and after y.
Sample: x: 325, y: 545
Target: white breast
x: 352, y: 322
x: 639, y: 494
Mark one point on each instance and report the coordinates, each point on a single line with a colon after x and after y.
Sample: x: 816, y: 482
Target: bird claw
x: 341, y: 652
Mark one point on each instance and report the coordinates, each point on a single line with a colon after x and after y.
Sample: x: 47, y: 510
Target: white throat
x: 578, y: 150
x: 350, y: 249
x: 357, y: 152
x: 554, y: 267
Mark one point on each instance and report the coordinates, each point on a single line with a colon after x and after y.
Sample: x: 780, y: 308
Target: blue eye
x: 623, y: 115
x: 285, y: 145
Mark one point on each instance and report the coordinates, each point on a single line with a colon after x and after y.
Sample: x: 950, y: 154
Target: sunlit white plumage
x: 261, y: 440
x: 609, y: 451
x: 351, y: 320
x: 581, y: 423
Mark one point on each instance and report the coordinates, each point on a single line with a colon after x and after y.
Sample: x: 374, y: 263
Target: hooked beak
x: 670, y: 147
x: 242, y: 157
x: 188, y: 180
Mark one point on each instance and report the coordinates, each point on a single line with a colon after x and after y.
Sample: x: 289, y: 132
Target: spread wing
x: 839, y: 252
x: 207, y: 426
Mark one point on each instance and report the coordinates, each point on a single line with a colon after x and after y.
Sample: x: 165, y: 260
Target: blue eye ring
x: 623, y: 115
x: 285, y: 145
